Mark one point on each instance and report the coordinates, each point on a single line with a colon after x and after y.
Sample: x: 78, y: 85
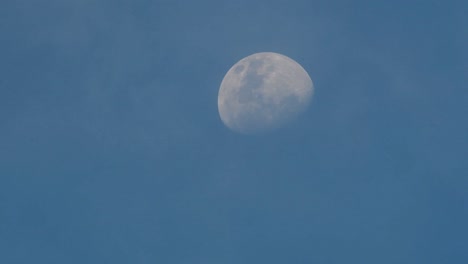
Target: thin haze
x: 112, y: 149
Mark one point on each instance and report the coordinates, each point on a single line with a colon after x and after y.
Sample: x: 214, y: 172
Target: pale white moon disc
x: 263, y: 91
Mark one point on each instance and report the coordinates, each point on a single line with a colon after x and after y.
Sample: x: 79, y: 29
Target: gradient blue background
x: 112, y: 150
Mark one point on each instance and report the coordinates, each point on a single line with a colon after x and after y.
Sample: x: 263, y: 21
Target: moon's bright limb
x: 263, y: 91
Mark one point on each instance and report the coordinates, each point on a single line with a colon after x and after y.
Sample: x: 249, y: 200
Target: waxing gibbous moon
x: 262, y: 92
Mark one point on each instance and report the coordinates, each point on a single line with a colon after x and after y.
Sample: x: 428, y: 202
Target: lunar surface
x: 262, y: 92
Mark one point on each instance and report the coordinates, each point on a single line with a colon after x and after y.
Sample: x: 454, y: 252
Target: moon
x: 262, y: 92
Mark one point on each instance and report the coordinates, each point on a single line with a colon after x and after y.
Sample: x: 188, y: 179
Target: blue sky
x: 112, y: 150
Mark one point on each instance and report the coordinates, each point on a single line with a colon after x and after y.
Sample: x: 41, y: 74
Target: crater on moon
x: 263, y: 91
